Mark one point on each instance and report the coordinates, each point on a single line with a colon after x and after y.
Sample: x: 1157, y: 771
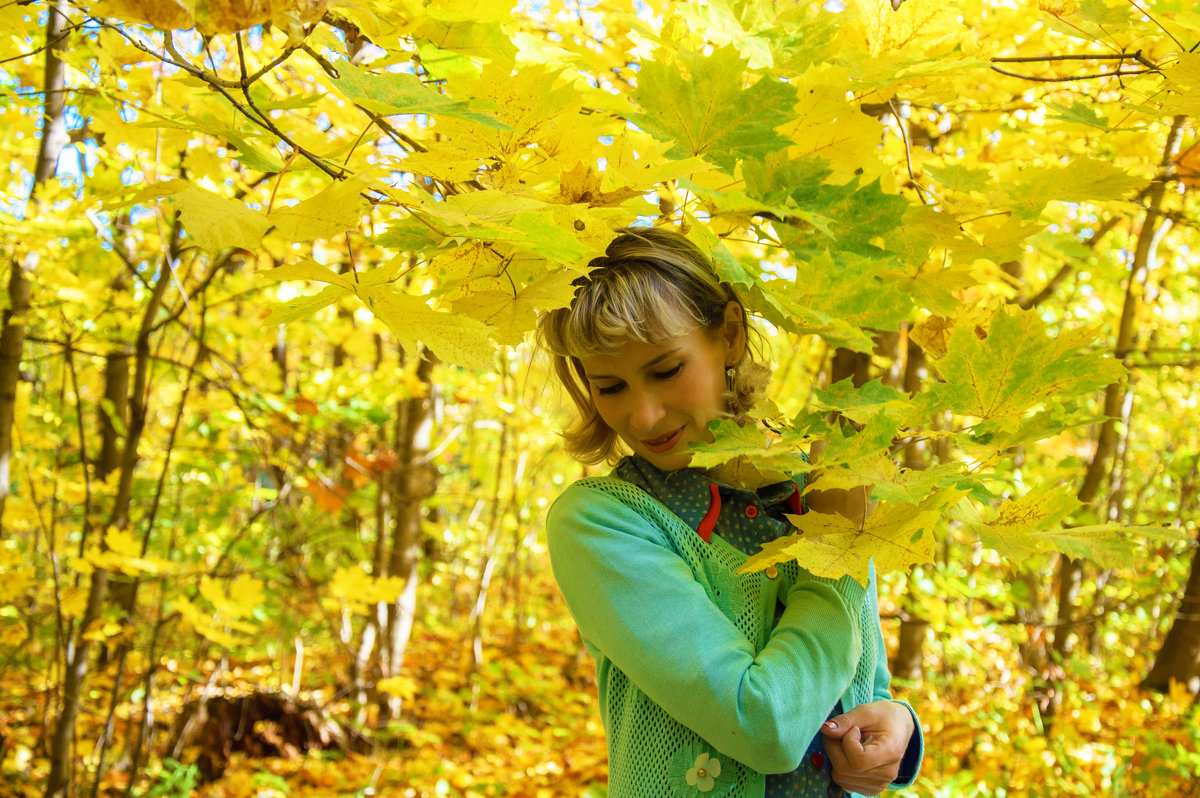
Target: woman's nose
x: 647, y: 411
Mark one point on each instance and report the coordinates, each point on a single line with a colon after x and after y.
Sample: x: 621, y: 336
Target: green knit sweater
x: 701, y: 692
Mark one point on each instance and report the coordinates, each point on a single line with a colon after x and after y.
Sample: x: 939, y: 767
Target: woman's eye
x: 609, y: 390
x: 669, y: 373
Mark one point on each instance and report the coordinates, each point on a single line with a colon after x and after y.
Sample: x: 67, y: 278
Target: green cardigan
x: 701, y: 692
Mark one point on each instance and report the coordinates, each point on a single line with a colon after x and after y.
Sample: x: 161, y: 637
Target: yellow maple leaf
x: 827, y: 125
x: 399, y: 686
x: 454, y: 338
x: 895, y: 537
x: 335, y: 209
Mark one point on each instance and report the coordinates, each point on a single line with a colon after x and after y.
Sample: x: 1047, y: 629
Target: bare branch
x: 1117, y: 74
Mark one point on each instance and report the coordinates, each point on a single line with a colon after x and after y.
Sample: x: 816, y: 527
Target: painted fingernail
x: 830, y: 724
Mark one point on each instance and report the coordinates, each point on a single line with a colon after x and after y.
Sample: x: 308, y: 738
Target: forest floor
x: 524, y: 722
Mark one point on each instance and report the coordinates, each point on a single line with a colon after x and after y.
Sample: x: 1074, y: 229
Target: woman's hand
x: 867, y: 744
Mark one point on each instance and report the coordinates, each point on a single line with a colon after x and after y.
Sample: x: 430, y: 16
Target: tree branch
x: 1116, y: 74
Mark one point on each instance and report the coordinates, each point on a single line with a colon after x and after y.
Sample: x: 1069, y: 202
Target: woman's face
x: 658, y: 397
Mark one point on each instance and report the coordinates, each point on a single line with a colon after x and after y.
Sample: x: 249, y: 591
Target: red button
x: 751, y: 511
x: 818, y: 760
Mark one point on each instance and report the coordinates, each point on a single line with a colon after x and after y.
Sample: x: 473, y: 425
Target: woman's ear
x: 735, y: 332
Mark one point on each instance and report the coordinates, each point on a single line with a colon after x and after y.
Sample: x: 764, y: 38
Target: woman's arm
x: 878, y: 745
x: 635, y: 600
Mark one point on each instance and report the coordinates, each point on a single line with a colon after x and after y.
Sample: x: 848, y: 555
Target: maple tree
x: 294, y: 250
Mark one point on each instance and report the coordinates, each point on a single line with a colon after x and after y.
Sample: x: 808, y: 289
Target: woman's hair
x: 652, y: 285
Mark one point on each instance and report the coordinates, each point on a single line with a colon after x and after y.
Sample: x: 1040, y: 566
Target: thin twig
x: 1117, y: 74
x: 1031, y: 59
x: 1156, y: 22
x: 907, y: 149
x: 222, y: 86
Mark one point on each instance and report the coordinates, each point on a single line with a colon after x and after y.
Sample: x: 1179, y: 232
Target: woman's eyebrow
x: 644, y: 367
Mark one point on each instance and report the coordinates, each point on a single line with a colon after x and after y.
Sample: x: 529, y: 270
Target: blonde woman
x: 711, y: 684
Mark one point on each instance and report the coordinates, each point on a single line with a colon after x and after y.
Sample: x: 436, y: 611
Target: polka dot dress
x: 747, y: 519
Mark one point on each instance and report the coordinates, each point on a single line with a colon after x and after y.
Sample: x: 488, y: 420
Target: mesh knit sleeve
x: 638, y: 603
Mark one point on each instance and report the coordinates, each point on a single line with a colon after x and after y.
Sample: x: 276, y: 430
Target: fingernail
x: 830, y: 724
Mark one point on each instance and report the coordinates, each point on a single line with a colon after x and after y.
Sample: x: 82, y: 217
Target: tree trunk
x: 415, y: 482
x: 1154, y: 226
x: 20, y: 289
x: 910, y: 654
x: 1179, y: 658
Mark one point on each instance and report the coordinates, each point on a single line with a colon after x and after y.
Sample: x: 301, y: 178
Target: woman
x: 711, y: 684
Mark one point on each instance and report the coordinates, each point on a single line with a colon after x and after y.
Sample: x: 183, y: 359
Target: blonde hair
x: 652, y: 285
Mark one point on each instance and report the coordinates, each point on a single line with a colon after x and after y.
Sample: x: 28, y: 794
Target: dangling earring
x: 730, y: 376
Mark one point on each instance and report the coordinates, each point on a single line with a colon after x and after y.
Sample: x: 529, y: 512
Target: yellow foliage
x: 216, y: 16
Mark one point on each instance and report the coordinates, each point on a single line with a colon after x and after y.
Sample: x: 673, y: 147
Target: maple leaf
x: 826, y: 125
x: 710, y: 111
x: 454, y: 338
x: 767, y: 451
x: 958, y: 177
x: 835, y: 299
x: 214, y: 222
x: 334, y: 209
x: 1081, y: 180
x: 933, y: 332
x: 1003, y: 239
x: 864, y: 402
x: 894, y: 536
x: 582, y: 184
x: 403, y: 93
x: 509, y: 316
x: 845, y: 445
x: 888, y: 482
x: 1011, y: 530
x: 859, y: 218
x: 1183, y: 78
x: 1014, y: 365
x: 328, y: 497
x: 1187, y: 166
x: 1078, y: 114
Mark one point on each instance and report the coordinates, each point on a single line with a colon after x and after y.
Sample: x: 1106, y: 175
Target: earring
x: 730, y: 375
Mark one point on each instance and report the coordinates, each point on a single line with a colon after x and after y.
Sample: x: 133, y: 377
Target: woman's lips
x: 664, y: 444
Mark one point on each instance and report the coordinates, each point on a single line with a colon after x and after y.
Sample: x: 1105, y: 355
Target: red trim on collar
x: 705, y: 529
x: 794, y: 502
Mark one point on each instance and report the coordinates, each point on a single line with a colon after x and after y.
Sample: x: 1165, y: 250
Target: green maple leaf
x: 957, y: 177
x: 1109, y: 545
x: 895, y: 536
x: 863, y: 403
x: 767, y: 452
x: 777, y: 178
x: 844, y: 445
x: 860, y: 218
x: 707, y: 109
x: 836, y: 299
x: 1013, y: 366
x: 402, y: 93
x: 1079, y: 114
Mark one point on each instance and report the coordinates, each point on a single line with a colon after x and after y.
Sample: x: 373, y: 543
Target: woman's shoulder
x: 602, y: 489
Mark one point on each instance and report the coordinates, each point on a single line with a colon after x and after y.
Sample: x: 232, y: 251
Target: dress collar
x: 688, y: 492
